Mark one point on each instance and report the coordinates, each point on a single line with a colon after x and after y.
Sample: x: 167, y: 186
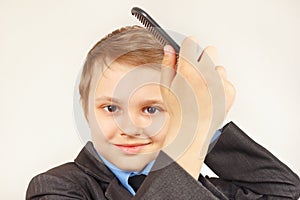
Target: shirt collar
x: 123, y: 175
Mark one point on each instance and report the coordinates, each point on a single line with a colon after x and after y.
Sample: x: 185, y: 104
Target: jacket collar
x: 89, y: 161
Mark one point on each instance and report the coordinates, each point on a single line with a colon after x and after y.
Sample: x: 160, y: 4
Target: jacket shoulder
x: 68, y: 171
x: 59, y: 182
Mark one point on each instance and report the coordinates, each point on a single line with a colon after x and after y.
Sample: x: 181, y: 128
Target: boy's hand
x: 197, y: 96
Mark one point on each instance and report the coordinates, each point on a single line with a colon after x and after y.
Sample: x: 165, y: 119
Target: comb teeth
x: 151, y: 29
x: 159, y: 34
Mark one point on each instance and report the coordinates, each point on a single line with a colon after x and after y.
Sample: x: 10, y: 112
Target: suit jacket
x: 245, y: 169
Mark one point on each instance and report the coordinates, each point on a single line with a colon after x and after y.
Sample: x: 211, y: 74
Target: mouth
x: 132, y: 148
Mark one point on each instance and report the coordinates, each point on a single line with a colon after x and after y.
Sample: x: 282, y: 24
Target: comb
x: 153, y: 27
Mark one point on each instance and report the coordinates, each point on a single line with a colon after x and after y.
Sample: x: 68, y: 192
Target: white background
x: 43, y: 45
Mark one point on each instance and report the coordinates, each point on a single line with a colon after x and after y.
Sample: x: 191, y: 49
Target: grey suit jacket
x: 245, y: 169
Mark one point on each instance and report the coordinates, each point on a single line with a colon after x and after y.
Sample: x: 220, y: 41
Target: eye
x: 111, y: 108
x: 151, y: 110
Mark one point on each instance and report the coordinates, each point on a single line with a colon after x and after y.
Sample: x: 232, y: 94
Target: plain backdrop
x: 43, y: 45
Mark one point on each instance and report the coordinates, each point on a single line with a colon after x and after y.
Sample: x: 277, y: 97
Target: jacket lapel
x: 89, y: 161
x: 116, y: 191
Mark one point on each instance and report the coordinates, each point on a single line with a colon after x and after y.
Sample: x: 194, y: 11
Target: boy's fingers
x: 222, y: 72
x: 212, y: 53
x: 168, y: 70
x: 189, y: 52
x: 229, y: 88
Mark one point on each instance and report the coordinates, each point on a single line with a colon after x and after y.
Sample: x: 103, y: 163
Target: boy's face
x: 129, y: 123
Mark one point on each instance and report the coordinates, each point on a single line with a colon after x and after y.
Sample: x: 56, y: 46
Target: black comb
x: 154, y: 28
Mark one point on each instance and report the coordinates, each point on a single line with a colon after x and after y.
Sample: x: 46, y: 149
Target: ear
x: 84, y: 106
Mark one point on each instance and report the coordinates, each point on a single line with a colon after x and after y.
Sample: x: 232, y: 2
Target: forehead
x: 121, y: 80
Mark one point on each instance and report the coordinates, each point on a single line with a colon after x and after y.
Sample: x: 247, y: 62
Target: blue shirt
x: 216, y: 136
x: 123, y: 175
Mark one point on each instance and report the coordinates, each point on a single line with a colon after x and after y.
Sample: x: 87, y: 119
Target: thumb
x: 168, y: 69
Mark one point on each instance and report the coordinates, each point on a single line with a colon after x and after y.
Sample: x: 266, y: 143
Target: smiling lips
x: 131, y: 148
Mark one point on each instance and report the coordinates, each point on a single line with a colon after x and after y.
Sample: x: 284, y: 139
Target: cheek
x: 106, y: 126
x: 165, y: 136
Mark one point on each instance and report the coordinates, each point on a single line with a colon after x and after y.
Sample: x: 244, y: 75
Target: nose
x: 130, y: 125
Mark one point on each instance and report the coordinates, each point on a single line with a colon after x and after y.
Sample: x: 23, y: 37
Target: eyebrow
x: 153, y: 101
x: 106, y: 98
x: 118, y: 101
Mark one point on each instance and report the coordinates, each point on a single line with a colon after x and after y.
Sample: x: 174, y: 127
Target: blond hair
x: 132, y: 45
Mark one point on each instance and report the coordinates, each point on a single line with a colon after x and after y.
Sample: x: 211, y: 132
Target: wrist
x: 191, y: 163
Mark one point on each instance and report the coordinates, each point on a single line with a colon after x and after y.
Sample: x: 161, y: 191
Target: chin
x: 135, y: 163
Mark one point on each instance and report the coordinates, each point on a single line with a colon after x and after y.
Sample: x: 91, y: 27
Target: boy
x: 135, y: 107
